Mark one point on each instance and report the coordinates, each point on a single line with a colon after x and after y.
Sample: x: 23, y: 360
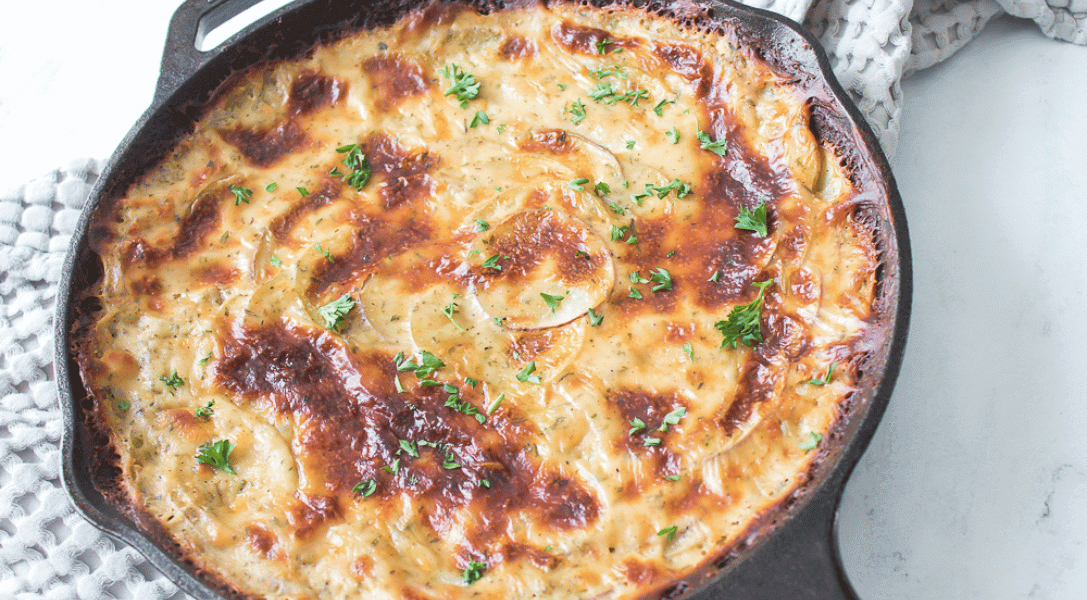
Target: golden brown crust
x: 467, y: 412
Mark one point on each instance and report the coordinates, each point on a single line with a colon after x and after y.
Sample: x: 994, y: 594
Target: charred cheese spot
x: 262, y: 540
x: 395, y: 79
x: 265, y: 147
x: 312, y: 92
x: 588, y: 40
x: 517, y: 48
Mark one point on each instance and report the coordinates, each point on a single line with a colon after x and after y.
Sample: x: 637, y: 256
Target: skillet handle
x: 799, y: 562
x: 190, y: 23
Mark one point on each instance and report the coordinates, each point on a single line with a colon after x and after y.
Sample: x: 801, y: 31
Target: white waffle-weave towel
x: 48, y: 551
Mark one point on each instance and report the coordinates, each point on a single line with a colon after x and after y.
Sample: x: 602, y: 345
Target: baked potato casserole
x: 545, y: 301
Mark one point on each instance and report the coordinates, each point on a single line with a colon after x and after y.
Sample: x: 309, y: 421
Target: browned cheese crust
x: 495, y: 368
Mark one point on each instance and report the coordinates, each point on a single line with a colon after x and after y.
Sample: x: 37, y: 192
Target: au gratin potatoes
x: 550, y: 302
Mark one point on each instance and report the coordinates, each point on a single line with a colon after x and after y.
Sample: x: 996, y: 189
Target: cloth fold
x: 49, y: 551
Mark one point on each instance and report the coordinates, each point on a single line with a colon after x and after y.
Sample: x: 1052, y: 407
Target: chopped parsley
x: 668, y: 531
x: 673, y: 417
x: 122, y: 406
x: 562, y: 87
x: 303, y: 191
x: 577, y: 111
x: 464, y: 85
x: 602, y: 46
x: 366, y: 488
x: 681, y: 189
x: 578, y: 184
x: 825, y: 380
x: 526, y: 374
x: 553, y: 302
x: 410, y: 447
x: 240, y: 194
x: 271, y: 187
x: 689, y: 351
x: 634, y: 294
x: 276, y: 262
x: 715, y: 277
x: 753, y: 220
x: 631, y: 144
x: 479, y: 119
x: 742, y: 324
x: 217, y: 454
x: 204, y: 361
x: 449, y: 310
x: 173, y: 381
x: 636, y: 425
x: 463, y: 406
x: 501, y: 127
x: 326, y: 253
x: 595, y: 319
x: 811, y: 441
x: 204, y: 412
x: 482, y: 225
x: 494, y: 406
x: 637, y: 278
x: 602, y: 189
x: 632, y: 96
x: 651, y: 441
x: 334, y: 312
x: 356, y: 161
x: 473, y: 572
x: 428, y: 363
x: 673, y: 136
x: 719, y: 147
x: 603, y: 92
x: 659, y: 108
x: 491, y: 262
x: 471, y: 381
x: 392, y: 469
x: 662, y: 278
x: 449, y: 463
x: 672, y: 477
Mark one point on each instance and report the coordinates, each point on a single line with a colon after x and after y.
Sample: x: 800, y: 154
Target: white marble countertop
x: 976, y: 482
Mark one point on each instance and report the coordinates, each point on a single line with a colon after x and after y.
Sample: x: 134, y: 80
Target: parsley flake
x: 122, y: 406
x: 651, y: 441
x: 636, y: 425
x: 449, y: 310
x: 464, y: 85
x: 595, y: 319
x: 742, y: 324
x: 602, y: 46
x: 673, y: 136
x: 689, y: 351
x: 482, y: 225
x: 491, y: 262
x: 366, y: 488
x: 334, y: 312
x: 303, y: 191
x: 672, y: 477
x: 271, y: 187
x: 173, y: 381
x: 673, y: 417
x: 811, y: 441
x: 662, y: 278
x: 630, y: 144
x: 659, y: 108
x: 668, y: 531
x: 217, y: 454
x: 326, y: 253
x: 204, y: 361
x: 494, y: 406
x: 715, y: 277
x: 356, y: 161
x: 602, y: 189
x: 577, y: 111
x: 479, y: 119
x: 753, y: 220
x: 240, y: 194
x: 719, y: 147
x: 473, y: 572
x: 276, y: 262
x: 825, y: 380
x: 449, y: 463
x: 204, y: 412
x: 634, y: 294
x: 552, y: 301
x: 526, y: 374
x: 578, y: 184
x: 410, y: 447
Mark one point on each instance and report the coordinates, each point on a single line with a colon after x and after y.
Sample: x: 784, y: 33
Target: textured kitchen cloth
x: 48, y: 551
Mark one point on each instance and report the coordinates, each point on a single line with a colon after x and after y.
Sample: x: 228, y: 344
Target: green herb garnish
x: 742, y: 324
x: 595, y: 319
x: 173, y: 381
x: 217, y: 454
x: 356, y: 161
x: 464, y: 85
x: 673, y: 417
x: 811, y: 441
x: 552, y: 301
x: 578, y: 184
x: 659, y: 108
x: 482, y: 225
x: 479, y: 119
x: 526, y: 374
x: 825, y: 380
x: 673, y: 136
x: 204, y: 412
x: 276, y: 262
x: 473, y: 572
x: 271, y: 187
x: 240, y: 194
x: 753, y: 220
x: 636, y: 425
x: 334, y: 312
x: 366, y: 488
x: 668, y: 531
x: 662, y: 278
x: 689, y: 351
x: 719, y: 147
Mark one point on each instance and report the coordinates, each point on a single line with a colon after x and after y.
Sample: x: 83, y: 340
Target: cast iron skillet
x: 794, y: 552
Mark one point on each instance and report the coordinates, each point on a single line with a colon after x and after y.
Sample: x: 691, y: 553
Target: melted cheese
x: 540, y: 457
